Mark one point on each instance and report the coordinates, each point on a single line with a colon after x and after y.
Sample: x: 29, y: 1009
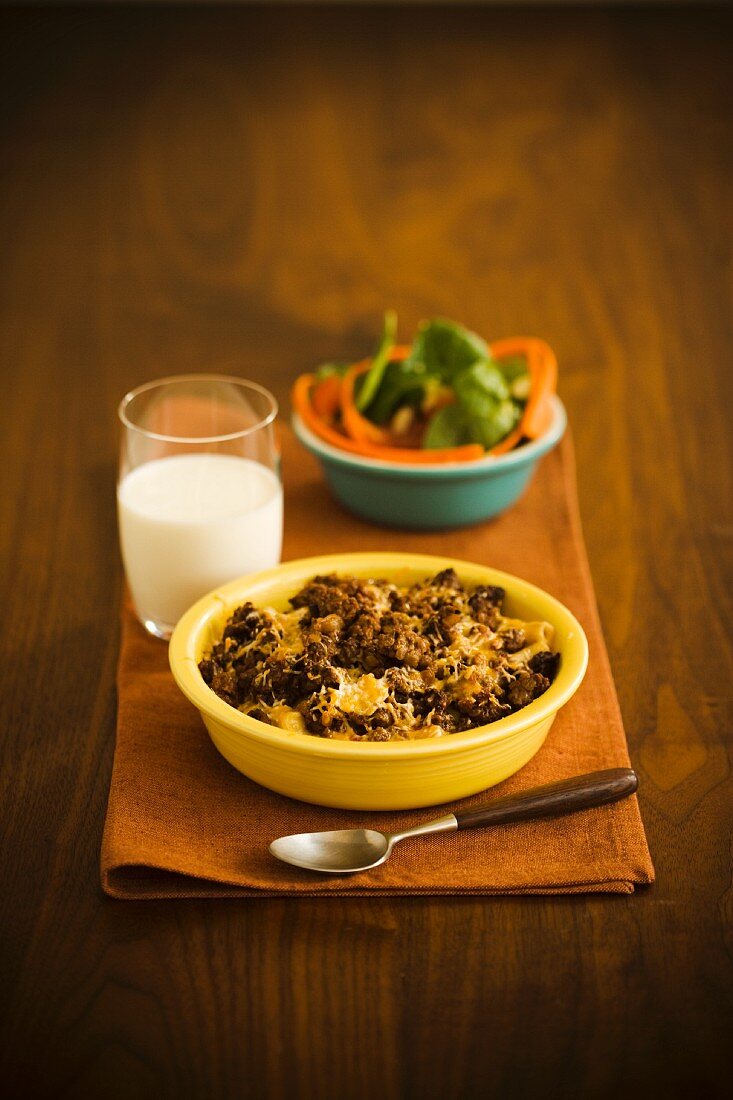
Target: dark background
x: 245, y: 190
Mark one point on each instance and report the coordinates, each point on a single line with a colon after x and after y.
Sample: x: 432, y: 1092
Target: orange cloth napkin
x: 181, y: 822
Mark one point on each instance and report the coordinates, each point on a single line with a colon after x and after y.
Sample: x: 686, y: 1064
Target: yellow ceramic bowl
x: 369, y: 775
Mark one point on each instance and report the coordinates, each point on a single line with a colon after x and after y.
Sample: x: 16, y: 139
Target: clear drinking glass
x: 199, y: 498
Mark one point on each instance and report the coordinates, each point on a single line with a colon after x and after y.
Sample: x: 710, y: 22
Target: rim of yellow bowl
x: 184, y: 665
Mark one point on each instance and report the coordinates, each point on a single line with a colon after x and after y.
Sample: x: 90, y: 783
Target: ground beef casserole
x: 367, y: 660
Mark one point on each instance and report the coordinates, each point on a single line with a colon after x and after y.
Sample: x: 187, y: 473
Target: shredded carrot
x: 359, y: 427
x: 399, y: 352
x: 542, y: 366
x: 468, y: 452
x: 301, y: 399
x: 356, y: 426
x: 327, y: 396
x: 303, y: 405
x: 543, y: 373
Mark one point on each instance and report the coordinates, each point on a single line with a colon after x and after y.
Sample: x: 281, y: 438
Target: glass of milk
x: 199, y: 497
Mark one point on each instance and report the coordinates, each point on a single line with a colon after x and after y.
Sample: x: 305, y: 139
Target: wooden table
x: 245, y: 191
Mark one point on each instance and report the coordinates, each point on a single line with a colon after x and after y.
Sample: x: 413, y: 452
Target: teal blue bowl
x: 431, y: 497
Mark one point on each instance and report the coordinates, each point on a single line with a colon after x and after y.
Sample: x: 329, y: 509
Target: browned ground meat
x: 368, y: 660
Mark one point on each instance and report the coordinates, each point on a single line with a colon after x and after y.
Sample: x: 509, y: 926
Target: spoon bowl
x: 343, y: 851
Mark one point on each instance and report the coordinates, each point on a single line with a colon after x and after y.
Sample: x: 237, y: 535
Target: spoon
x: 346, y: 851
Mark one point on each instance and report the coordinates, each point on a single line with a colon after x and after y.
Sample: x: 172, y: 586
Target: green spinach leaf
x: 513, y: 367
x: 480, y: 388
x: 402, y: 384
x: 449, y: 427
x: 483, y: 394
x: 490, y: 430
x: 445, y: 348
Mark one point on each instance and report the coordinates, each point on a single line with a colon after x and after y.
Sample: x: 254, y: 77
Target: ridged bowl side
x: 367, y: 784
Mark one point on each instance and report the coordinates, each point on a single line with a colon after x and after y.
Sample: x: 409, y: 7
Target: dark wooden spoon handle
x: 566, y: 797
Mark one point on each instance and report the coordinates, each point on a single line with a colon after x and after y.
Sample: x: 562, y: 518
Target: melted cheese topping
x: 286, y: 718
x: 289, y: 622
x: 359, y: 697
x: 472, y: 663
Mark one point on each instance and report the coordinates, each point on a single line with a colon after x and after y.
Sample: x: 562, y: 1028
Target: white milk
x: 192, y: 522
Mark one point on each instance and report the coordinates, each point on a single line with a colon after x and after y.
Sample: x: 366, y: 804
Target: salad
x: 447, y: 397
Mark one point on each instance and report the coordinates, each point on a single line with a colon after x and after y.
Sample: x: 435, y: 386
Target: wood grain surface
x: 245, y: 190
